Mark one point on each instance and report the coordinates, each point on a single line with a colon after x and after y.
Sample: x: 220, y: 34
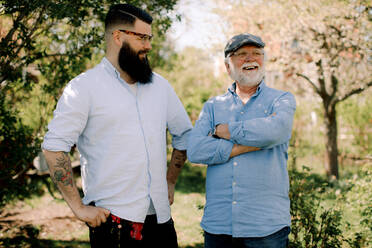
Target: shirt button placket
x: 234, y: 196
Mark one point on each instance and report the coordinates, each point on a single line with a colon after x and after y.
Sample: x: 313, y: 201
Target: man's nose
x: 249, y: 58
x: 147, y: 45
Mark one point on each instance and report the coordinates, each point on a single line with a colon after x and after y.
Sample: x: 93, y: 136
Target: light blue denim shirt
x: 121, y: 137
x: 247, y: 195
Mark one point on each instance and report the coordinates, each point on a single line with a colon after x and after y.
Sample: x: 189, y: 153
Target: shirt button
x: 265, y: 111
x: 235, y: 163
x: 234, y: 202
x: 242, y: 112
x: 234, y: 183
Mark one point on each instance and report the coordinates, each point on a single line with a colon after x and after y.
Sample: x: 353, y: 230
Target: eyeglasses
x: 141, y: 37
x: 243, y: 55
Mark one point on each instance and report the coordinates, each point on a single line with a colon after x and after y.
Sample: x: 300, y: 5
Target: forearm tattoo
x: 63, y: 171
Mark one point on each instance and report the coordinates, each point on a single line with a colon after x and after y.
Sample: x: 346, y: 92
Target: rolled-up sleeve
x: 203, y: 148
x: 178, y: 122
x: 69, y: 119
x: 269, y: 131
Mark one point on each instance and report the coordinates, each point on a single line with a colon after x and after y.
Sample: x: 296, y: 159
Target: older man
x: 243, y: 137
x: 118, y: 113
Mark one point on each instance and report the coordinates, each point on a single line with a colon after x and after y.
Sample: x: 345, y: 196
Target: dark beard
x: 138, y: 69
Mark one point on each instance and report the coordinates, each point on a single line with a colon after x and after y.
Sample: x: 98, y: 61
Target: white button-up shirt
x: 121, y: 137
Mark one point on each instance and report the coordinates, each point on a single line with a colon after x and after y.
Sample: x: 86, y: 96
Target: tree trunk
x: 331, y: 165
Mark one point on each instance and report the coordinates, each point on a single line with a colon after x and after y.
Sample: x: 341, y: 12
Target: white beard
x: 246, y: 77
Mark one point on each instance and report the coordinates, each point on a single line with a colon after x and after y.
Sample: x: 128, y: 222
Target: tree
x: 51, y: 41
x: 325, y: 43
x: 337, y: 51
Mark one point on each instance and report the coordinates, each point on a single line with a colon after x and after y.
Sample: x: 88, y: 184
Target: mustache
x: 143, y: 52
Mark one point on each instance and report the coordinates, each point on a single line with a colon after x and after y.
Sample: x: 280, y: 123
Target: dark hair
x: 125, y: 14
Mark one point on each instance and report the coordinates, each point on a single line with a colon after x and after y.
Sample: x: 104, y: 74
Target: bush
x: 18, y: 148
x: 358, y: 202
x: 312, y: 225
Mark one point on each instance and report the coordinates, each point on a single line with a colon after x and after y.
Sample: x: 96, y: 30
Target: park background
x: 319, y: 50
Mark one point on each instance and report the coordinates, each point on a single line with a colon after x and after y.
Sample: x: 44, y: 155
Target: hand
x: 171, y: 187
x: 222, y: 131
x: 93, y: 216
x: 240, y: 149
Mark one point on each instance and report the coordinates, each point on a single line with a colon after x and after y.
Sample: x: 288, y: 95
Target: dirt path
x: 41, y: 218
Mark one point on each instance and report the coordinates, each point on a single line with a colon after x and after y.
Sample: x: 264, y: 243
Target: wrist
x: 171, y: 181
x: 77, y: 207
x: 214, y: 132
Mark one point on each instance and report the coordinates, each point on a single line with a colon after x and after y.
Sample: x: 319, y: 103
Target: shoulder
x: 279, y: 97
x: 219, y: 99
x: 160, y: 81
x: 87, y: 79
x: 276, y: 93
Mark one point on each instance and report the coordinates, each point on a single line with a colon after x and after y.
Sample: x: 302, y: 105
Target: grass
x: 187, y: 213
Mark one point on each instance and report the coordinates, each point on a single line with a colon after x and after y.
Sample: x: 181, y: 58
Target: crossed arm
x: 204, y: 148
x: 241, y: 136
x: 222, y: 131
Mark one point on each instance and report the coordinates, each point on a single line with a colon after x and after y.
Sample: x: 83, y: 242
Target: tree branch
x: 14, y: 28
x: 311, y: 82
x: 355, y: 91
x: 35, y: 25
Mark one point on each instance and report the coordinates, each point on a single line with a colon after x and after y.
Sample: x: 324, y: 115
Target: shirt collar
x: 262, y: 86
x: 110, y: 68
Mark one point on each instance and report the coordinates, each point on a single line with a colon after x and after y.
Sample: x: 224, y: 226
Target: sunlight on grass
x: 187, y: 213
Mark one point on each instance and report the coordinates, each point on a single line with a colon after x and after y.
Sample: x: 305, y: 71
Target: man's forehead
x: 142, y: 26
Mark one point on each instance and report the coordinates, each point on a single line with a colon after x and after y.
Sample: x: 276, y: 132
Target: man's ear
x: 227, y: 65
x: 117, y: 38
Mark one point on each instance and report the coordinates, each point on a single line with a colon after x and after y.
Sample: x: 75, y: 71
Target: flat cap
x: 240, y: 40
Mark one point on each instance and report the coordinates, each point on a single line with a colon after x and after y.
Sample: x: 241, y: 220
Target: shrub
x: 312, y: 225
x: 18, y: 148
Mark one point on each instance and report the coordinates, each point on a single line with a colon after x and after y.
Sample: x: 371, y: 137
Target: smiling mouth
x: 249, y: 68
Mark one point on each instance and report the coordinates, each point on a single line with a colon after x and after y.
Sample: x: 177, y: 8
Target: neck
x: 245, y: 92
x: 114, y: 61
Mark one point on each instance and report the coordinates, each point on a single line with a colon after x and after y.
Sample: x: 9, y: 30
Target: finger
x: 98, y: 221
x: 102, y: 217
x: 106, y: 212
x: 91, y: 223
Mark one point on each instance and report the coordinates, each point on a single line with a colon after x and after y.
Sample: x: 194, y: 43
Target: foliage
x: 20, y: 156
x: 46, y: 43
x: 330, y: 214
x: 306, y: 140
x: 312, y: 226
x: 358, y: 202
x: 355, y: 113
x: 192, y: 77
x: 191, y: 179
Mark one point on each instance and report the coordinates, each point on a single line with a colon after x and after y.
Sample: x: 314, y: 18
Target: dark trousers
x: 278, y: 239
x: 109, y: 235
